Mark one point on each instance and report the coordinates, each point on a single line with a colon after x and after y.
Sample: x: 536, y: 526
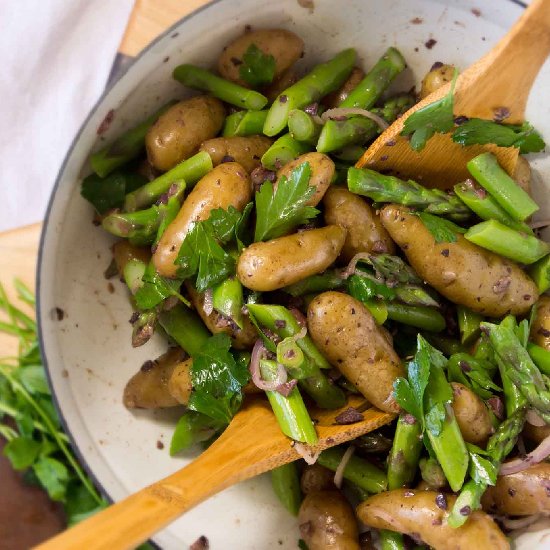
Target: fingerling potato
x: 179, y: 383
x: 346, y: 333
x: 148, y: 388
x: 285, y: 46
x: 327, y: 521
x: 365, y: 232
x: 178, y: 133
x: 436, y: 77
x: 316, y: 478
x: 471, y: 414
x: 226, y: 185
x: 123, y: 252
x: 536, y: 433
x: 416, y: 513
x: 270, y: 265
x: 520, y: 494
x: 463, y: 272
x: 247, y: 151
x: 334, y: 99
x: 241, y: 338
x: 540, y: 328
x: 322, y: 172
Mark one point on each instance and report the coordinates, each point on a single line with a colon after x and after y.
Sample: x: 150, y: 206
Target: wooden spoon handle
x: 504, y: 77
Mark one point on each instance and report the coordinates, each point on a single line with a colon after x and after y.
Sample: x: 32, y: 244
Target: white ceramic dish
x: 88, y: 353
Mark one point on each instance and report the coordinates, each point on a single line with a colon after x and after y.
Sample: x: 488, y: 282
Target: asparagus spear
x: 244, y: 123
x: 520, y: 368
x: 391, y: 540
x: 507, y: 242
x: 286, y: 485
x: 337, y: 134
x: 367, y: 92
x: 290, y: 412
x: 381, y: 188
x: 350, y: 154
x: 541, y: 357
x: 126, y: 147
x: 303, y: 127
x: 329, y: 280
x: 432, y: 473
x: 540, y: 273
x: 227, y: 91
x: 189, y: 171
x: 405, y: 452
x: 283, y: 150
x: 485, y: 206
x: 468, y: 324
x: 357, y: 470
x: 426, y: 318
x: 227, y: 298
x: 322, y: 80
x: 499, y: 446
x: 513, y: 199
x: 448, y: 346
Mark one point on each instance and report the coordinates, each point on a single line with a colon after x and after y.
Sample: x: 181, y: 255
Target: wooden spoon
x: 251, y: 445
x: 499, y: 83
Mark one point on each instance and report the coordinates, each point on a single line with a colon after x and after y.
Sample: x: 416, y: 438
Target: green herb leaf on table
x: 280, y: 211
x: 257, y: 68
x: 443, y: 231
x: 435, y: 117
x: 109, y: 192
x: 53, y: 476
x: 201, y: 252
x: 22, y: 452
x: 217, y: 380
x: 479, y: 131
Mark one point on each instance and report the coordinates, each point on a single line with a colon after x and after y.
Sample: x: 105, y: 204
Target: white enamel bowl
x: 88, y: 353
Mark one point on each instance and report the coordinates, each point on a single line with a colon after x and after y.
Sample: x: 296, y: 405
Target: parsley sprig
x: 258, y: 68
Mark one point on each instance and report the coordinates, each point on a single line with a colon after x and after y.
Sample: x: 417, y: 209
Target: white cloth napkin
x: 55, y: 58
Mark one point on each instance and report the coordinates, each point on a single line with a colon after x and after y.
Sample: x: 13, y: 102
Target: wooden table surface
x: 26, y: 515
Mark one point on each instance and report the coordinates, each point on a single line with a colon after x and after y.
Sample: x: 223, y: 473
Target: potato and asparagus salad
x: 248, y: 238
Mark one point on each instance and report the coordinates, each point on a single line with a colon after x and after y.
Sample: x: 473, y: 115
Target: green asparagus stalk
x: 290, y: 412
x: 391, y: 540
x: 329, y: 280
x: 448, y: 346
x: 189, y: 171
x: 475, y: 373
x: 185, y: 327
x: 500, y: 444
x: 337, y: 134
x: 513, y: 398
x: 350, y: 154
x: 227, y: 298
x: 507, y: 242
x: 303, y: 127
x: 540, y: 273
x: 432, y: 473
x: 244, y: 123
x: 369, y: 90
x: 426, y: 318
x: 357, y: 470
x: 520, y: 368
x: 322, y: 80
x: 227, y: 91
x: 126, y: 147
x: 405, y: 452
x: 133, y: 274
x: 468, y: 324
x: 381, y: 188
x: 283, y: 150
x: 286, y: 485
x: 485, y: 206
x: 541, y: 357
x: 513, y: 199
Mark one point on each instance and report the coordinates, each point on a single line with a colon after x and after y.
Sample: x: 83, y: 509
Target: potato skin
x: 177, y: 134
x: 316, y: 478
x: 536, y: 433
x: 226, y: 185
x: 179, y: 383
x: 522, y: 174
x: 241, y: 339
x: 471, y: 414
x: 435, y: 78
x: 334, y: 99
x: 123, y: 252
x: 285, y: 46
x: 416, y: 512
x: 540, y: 329
x: 322, y: 172
x: 270, y: 265
x: 520, y: 494
x: 346, y: 333
x: 148, y: 388
x: 365, y: 230
x: 327, y: 522
x: 247, y: 151
x: 462, y: 271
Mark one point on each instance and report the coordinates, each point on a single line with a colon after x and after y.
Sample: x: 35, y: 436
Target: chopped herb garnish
x: 443, y: 231
x: 258, y: 68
